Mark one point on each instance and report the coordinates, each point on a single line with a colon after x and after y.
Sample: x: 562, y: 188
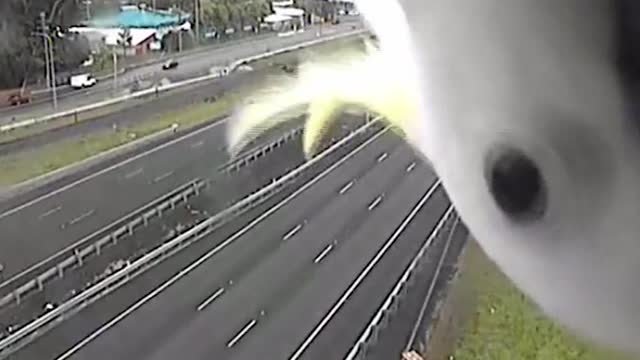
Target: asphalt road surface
x: 51, y: 218
x: 225, y: 189
x: 262, y: 291
x: 190, y: 66
x: 139, y: 110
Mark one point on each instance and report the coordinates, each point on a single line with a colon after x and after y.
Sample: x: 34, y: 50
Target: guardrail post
x: 40, y: 284
x: 76, y: 252
x: 60, y: 270
x: 16, y: 295
x: 114, y: 238
x: 97, y: 244
x: 130, y: 228
x: 75, y: 117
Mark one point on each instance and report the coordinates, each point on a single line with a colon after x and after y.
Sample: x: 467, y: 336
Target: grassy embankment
x: 495, y: 321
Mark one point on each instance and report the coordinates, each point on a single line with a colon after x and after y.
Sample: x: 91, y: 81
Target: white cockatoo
x: 527, y: 111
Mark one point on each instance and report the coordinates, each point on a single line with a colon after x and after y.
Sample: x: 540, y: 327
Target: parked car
x: 82, y: 81
x: 19, y: 98
x: 170, y: 64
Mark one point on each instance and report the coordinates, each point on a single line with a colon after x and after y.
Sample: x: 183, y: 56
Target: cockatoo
x: 527, y: 111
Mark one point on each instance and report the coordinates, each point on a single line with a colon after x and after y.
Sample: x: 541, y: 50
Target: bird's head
x: 527, y: 111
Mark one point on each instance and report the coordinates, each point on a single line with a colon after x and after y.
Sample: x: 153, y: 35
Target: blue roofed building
x: 139, y: 17
x: 146, y: 27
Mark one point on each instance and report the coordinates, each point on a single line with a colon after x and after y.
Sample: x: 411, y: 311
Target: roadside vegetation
x: 26, y: 165
x: 506, y: 325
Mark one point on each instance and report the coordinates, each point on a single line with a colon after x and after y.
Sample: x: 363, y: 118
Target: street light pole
x: 53, y: 72
x: 87, y: 4
x: 115, y: 70
x: 43, y: 24
x: 197, y: 13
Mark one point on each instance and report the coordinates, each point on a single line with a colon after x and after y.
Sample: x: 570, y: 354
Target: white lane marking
x: 79, y: 218
x: 198, y: 144
x: 163, y: 176
x: 375, y: 203
x: 110, y: 168
x: 210, y: 299
x: 133, y: 173
x: 50, y: 212
x: 382, y: 157
x: 101, y: 330
x: 343, y: 299
x: 346, y: 187
x: 323, y: 253
x: 411, y: 166
x: 242, y: 333
x: 292, y: 232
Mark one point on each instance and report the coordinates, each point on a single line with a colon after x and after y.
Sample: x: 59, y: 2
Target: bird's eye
x: 516, y: 184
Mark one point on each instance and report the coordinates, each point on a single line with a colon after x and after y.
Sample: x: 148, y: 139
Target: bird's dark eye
x: 516, y: 184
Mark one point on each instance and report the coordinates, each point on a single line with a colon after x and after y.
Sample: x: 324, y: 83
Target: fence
x: 370, y: 335
x: 17, y: 339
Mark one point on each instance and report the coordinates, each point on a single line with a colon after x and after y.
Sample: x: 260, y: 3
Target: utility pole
x: 179, y: 30
x: 43, y: 25
x: 197, y: 11
x: 115, y: 70
x: 53, y: 72
x: 87, y: 4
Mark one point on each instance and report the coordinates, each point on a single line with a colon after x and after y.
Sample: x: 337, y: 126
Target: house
x: 145, y: 27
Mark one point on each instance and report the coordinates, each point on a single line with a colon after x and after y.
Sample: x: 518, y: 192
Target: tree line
x: 22, y: 49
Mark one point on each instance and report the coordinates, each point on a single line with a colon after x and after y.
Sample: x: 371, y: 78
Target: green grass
x: 22, y: 133
x: 507, y: 326
x: 23, y: 166
x: 20, y: 167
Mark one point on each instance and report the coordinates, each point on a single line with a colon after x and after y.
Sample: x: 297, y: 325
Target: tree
x: 21, y: 53
x: 256, y: 10
x: 215, y: 14
x: 125, y: 40
x: 223, y: 14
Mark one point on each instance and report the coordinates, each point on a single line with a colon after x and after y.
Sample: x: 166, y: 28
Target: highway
x: 264, y: 290
x: 135, y: 111
x: 38, y: 224
x: 192, y: 65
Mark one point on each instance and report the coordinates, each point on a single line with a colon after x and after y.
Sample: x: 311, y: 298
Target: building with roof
x: 285, y: 16
x: 145, y: 27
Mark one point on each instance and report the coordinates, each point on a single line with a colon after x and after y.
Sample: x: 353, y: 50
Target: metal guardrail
x: 164, y: 88
x: 76, y: 256
x: 369, y: 336
x: 170, y: 247
x: 146, y: 212
x: 252, y: 155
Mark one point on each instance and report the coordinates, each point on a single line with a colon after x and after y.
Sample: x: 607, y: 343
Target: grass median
x: 26, y: 165
x: 326, y: 50
x: 503, y: 324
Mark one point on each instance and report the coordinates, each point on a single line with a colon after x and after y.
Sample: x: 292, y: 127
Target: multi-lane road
x: 42, y: 222
x: 294, y: 279
x: 196, y: 64
x: 140, y: 110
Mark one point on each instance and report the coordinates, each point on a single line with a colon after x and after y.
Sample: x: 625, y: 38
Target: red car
x: 19, y: 99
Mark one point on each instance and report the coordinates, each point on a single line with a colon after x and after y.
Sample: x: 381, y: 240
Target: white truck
x: 82, y: 81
